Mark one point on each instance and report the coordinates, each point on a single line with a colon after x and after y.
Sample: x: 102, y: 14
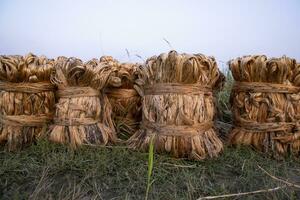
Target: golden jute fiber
x: 124, y: 99
x: 27, y: 99
x: 265, y: 104
x: 83, y: 112
x: 178, y: 106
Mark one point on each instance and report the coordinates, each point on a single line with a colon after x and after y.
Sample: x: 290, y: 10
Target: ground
x: 51, y: 171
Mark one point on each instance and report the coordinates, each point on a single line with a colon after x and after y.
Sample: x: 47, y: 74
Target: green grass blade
x: 150, y: 167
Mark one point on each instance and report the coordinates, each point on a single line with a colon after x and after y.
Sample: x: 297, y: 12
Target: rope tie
x: 121, y: 93
x: 75, y: 121
x: 27, y: 87
x: 25, y: 120
x: 253, y: 126
x: 178, y: 130
x: 264, y: 87
x: 71, y: 92
x: 177, y: 88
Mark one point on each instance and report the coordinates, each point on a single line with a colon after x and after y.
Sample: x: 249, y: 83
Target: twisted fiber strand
x: 75, y: 121
x: 264, y: 87
x: 254, y: 126
x: 71, y: 92
x: 177, y: 88
x: 27, y: 87
x: 178, y: 130
x: 120, y: 93
x: 25, y: 120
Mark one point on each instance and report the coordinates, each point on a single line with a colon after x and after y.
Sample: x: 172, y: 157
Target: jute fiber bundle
x: 177, y: 105
x: 26, y: 99
x: 83, y: 112
x: 294, y: 138
x: 125, y: 101
x: 265, y: 99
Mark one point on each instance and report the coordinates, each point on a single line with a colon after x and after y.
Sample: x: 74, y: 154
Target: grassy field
x: 51, y: 171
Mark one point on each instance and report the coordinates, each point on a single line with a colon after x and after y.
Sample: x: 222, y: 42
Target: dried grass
x: 125, y: 101
x: 26, y: 99
x: 175, y: 110
x: 83, y: 112
x: 265, y: 119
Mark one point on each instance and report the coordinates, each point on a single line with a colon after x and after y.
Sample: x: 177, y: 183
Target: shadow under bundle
x: 124, y: 99
x: 265, y: 104
x: 83, y: 112
x: 27, y: 99
x: 177, y: 105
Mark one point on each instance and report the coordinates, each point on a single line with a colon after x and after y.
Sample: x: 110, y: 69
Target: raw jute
x: 26, y: 120
x: 75, y: 121
x: 178, y: 130
x: 125, y: 101
x: 264, y: 103
x: 264, y: 87
x: 121, y: 93
x: 27, y: 87
x: 264, y: 126
x: 177, y: 88
x: 27, y: 99
x: 71, y: 92
x: 257, y: 87
x: 83, y: 112
x: 178, y: 106
x: 76, y: 92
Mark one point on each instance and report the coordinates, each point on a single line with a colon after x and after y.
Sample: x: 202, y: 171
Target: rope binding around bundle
x: 38, y: 120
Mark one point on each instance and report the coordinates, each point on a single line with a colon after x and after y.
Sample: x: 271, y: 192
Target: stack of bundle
x: 26, y: 100
x: 178, y: 107
x: 83, y: 112
x: 261, y: 98
x: 125, y: 101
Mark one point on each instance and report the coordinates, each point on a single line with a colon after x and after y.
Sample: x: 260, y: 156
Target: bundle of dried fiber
x: 109, y: 60
x: 26, y: 99
x: 125, y: 101
x: 263, y: 113
x: 177, y: 105
x: 294, y: 139
x: 83, y: 112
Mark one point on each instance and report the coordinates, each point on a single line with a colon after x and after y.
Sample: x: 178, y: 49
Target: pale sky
x: 89, y: 28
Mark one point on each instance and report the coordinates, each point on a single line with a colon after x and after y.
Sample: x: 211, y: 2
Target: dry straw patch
x: 125, y: 101
x: 26, y: 99
x: 83, y: 112
x: 178, y: 106
x: 265, y: 103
